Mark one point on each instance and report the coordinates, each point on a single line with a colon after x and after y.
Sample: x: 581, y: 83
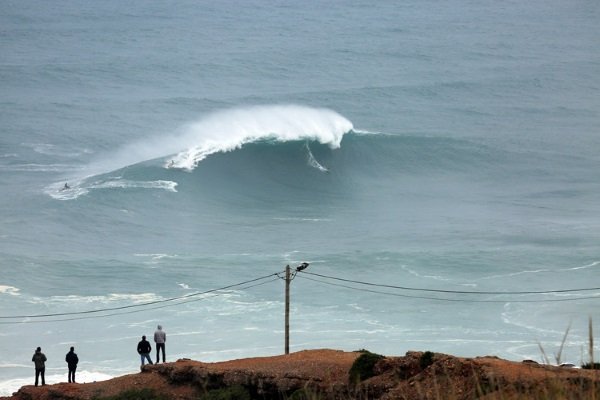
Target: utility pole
x: 287, y: 308
x: 288, y: 279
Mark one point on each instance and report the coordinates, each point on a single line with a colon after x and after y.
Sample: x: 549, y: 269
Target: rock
x: 324, y: 374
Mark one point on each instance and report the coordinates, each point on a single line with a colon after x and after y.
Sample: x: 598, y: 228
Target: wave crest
x: 221, y: 131
x: 229, y: 130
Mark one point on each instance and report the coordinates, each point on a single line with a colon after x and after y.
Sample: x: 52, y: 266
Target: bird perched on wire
x: 302, y: 266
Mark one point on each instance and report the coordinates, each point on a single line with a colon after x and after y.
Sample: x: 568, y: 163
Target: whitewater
x: 435, y: 164
x: 219, y: 132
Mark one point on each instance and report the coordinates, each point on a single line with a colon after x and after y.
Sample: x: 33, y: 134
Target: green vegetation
x: 363, y: 366
x: 426, y: 359
x: 136, y: 394
x: 591, y: 366
x: 304, y: 394
x: 236, y: 392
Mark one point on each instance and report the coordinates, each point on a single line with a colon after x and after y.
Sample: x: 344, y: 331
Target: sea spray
x: 227, y: 130
x: 221, y: 131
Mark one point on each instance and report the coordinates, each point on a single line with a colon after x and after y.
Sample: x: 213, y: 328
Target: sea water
x: 409, y: 151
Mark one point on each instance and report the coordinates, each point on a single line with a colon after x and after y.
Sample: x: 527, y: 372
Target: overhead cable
x: 131, y: 311
x: 444, y: 298
x: 139, y: 304
x: 451, y: 291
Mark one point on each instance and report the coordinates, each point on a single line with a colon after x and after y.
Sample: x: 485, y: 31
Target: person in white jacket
x: 160, y: 338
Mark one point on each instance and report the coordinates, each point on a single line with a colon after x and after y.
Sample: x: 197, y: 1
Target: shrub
x: 426, y: 359
x: 304, y: 394
x: 136, y: 394
x: 236, y: 392
x: 363, y: 366
x: 591, y: 366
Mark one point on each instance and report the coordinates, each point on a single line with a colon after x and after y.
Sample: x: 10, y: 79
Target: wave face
x: 228, y: 130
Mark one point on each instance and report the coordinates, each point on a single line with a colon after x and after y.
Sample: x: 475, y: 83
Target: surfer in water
x: 66, y: 187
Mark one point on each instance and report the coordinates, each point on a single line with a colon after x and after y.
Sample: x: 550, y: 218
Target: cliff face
x: 325, y: 374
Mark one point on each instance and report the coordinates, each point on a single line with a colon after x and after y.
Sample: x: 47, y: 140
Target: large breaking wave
x: 228, y: 130
x: 218, y: 132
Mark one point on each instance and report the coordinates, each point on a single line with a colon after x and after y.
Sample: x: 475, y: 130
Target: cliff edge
x: 332, y: 374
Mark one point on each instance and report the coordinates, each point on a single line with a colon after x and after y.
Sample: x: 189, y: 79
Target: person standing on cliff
x: 72, y: 360
x: 144, y: 350
x: 40, y: 365
x: 160, y: 338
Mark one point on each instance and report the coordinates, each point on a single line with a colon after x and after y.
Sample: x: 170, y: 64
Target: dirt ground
x: 327, y: 371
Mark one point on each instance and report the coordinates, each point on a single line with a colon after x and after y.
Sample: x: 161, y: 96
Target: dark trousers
x: 160, y: 346
x: 38, y: 372
x: 72, y: 374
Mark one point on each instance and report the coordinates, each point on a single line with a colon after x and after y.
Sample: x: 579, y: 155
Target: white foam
x: 302, y: 219
x: 11, y: 290
x: 312, y: 161
x: 126, y: 184
x: 57, y: 192
x: 156, y: 256
x: 110, y: 298
x: 220, y: 131
x: 14, y: 366
x: 415, y: 273
x: 364, y: 132
x: 10, y: 386
x: 591, y: 265
x: 33, y: 167
x: 228, y: 130
x: 80, y: 188
x: 41, y: 148
x: 512, y: 274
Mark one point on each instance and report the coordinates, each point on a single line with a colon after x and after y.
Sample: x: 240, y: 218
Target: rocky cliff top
x: 325, y: 374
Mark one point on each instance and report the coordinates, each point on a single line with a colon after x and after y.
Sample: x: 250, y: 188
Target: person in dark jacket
x: 72, y: 360
x: 144, y: 350
x: 40, y: 365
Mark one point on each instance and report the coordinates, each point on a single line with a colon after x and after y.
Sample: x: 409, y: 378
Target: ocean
x: 437, y: 164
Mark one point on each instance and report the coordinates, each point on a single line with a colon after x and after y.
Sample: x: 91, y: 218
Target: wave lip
x: 229, y: 130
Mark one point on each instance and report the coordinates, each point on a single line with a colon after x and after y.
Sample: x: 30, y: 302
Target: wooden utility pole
x: 287, y: 309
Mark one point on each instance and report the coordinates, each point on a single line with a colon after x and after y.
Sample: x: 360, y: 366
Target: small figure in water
x: 66, y: 187
x: 171, y: 164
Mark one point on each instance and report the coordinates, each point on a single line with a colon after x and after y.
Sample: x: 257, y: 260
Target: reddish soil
x: 324, y: 374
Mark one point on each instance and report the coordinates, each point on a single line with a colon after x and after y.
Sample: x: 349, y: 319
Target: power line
x: 140, y: 304
x: 134, y: 311
x: 447, y: 290
x: 277, y: 276
x: 446, y: 299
